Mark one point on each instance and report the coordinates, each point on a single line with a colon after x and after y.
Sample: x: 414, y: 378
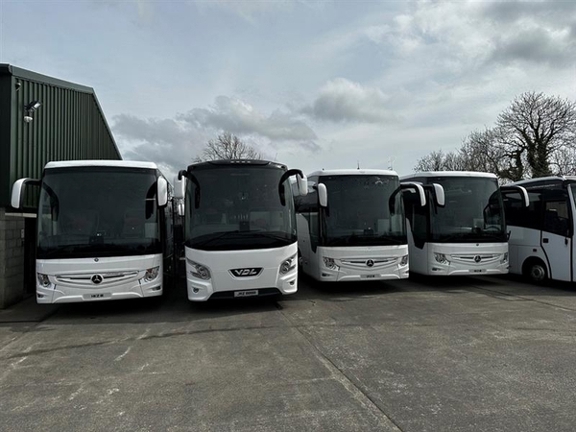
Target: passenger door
x: 556, y: 238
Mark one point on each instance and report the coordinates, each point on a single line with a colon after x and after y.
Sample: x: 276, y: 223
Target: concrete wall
x: 12, y: 287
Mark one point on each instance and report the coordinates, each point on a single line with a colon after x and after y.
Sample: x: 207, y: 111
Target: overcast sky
x: 312, y: 84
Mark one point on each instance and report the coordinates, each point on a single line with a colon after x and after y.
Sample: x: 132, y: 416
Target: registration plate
x: 476, y: 271
x: 246, y: 293
x: 369, y: 276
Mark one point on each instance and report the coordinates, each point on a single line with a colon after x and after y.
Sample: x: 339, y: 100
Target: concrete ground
x: 464, y: 354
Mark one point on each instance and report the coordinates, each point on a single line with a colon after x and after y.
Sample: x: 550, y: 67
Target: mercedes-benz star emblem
x: 96, y: 279
x: 96, y: 260
x: 370, y: 263
x: 477, y: 258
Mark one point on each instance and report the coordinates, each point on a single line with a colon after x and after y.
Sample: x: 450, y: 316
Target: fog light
x: 441, y: 258
x: 504, y: 258
x: 199, y: 271
x: 404, y: 260
x: 151, y: 274
x: 288, y: 265
x: 43, y: 280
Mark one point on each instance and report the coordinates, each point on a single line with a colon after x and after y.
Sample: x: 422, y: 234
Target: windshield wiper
x: 353, y: 238
x: 211, y: 239
x: 239, y: 234
x: 61, y: 249
x: 388, y: 238
x: 267, y: 234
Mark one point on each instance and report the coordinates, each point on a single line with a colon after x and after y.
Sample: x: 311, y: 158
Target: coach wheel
x: 536, y: 271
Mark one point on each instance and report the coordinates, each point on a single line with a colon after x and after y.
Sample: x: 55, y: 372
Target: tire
x: 535, y: 270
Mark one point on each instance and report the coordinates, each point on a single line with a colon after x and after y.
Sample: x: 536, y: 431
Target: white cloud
x: 341, y: 100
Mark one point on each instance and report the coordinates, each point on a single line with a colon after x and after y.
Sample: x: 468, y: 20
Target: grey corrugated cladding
x: 68, y: 125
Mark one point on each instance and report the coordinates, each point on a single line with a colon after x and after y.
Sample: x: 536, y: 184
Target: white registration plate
x: 476, y: 271
x: 246, y: 293
x: 369, y: 276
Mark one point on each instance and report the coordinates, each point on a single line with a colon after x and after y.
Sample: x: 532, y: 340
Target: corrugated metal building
x: 42, y: 119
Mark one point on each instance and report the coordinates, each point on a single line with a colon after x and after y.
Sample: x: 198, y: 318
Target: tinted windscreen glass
x: 238, y: 208
x: 473, y: 210
x: 359, y: 211
x: 97, y: 212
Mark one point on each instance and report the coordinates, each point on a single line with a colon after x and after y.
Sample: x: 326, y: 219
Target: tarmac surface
x: 423, y: 354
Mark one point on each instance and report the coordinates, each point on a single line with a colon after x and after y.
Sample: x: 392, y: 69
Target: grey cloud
x: 536, y: 46
x: 152, y: 131
x: 547, y: 11
x: 173, y: 143
x: 311, y: 146
x: 166, y: 142
x: 237, y: 117
x: 341, y: 100
x: 546, y: 31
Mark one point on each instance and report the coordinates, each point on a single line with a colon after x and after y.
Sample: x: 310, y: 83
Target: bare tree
x: 533, y: 129
x: 440, y: 161
x: 563, y: 161
x: 227, y: 146
x: 534, y: 137
x: 435, y: 161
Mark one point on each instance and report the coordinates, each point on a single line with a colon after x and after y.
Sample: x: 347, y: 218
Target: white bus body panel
x: 122, y: 278
x: 352, y: 262
x: 464, y: 259
x: 528, y: 243
x: 220, y: 264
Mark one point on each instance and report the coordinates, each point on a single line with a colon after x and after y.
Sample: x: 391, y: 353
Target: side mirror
x: 180, y: 208
x: 179, y: 186
x: 322, y: 195
x: 162, y: 192
x: 439, y: 195
x: 286, y: 176
x: 193, y: 179
x: 418, y: 188
x: 302, y: 182
x: 520, y: 190
x: 18, y: 191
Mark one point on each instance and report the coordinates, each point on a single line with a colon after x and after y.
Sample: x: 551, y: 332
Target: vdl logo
x: 246, y: 272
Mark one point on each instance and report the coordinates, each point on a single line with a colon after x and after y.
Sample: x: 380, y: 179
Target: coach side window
x: 517, y: 215
x: 556, y: 217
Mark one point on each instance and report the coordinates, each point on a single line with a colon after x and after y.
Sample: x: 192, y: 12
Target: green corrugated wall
x: 68, y: 125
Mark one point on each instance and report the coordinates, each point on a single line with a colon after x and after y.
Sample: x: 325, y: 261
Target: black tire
x: 536, y: 271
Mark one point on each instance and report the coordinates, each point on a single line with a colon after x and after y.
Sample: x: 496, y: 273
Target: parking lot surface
x: 423, y: 354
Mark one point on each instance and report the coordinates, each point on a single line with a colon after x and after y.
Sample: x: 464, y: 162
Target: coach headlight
x: 288, y: 265
x: 198, y: 270
x: 330, y: 263
x: 151, y: 274
x: 43, y: 280
x: 441, y: 258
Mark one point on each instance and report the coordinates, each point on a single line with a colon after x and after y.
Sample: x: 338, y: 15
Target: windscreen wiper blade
x: 267, y: 234
x: 211, y: 239
x: 390, y: 239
